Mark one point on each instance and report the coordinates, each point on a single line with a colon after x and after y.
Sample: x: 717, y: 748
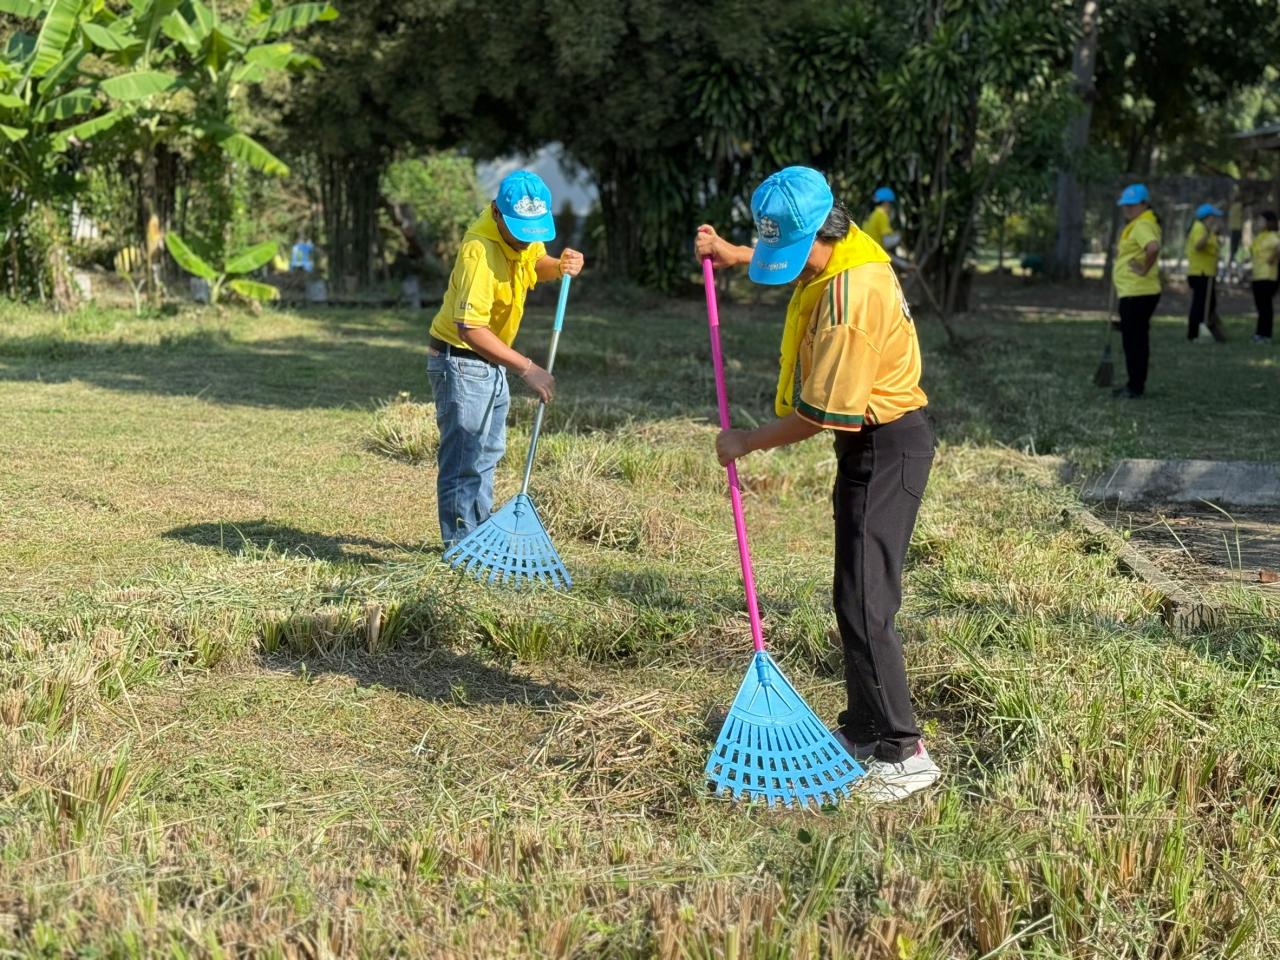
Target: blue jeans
x: 471, y: 411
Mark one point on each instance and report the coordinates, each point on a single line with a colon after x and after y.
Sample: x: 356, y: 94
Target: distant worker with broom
x: 503, y: 256
x: 850, y: 332
x: 1136, y: 277
x: 1202, y: 274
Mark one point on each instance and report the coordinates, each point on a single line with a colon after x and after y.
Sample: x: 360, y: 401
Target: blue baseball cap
x: 1134, y: 193
x: 525, y: 204
x: 789, y: 209
x: 885, y: 195
x: 1208, y: 210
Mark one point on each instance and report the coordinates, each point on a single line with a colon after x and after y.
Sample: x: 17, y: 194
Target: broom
x: 772, y: 747
x: 512, y: 546
x: 1105, y: 374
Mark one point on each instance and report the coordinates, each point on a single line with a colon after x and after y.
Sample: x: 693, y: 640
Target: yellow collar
x: 524, y: 262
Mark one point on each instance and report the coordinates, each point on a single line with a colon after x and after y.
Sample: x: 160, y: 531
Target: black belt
x: 448, y: 349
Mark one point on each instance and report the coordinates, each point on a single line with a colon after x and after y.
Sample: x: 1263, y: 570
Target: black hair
x: 1273, y: 223
x: 837, y: 225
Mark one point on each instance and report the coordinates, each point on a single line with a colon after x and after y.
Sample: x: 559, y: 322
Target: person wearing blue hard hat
x: 879, y: 225
x: 1202, y: 275
x: 503, y: 256
x: 850, y: 365
x: 1135, y: 275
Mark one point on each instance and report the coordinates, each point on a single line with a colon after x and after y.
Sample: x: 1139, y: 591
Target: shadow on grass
x: 436, y: 675
x: 258, y: 537
x: 294, y: 372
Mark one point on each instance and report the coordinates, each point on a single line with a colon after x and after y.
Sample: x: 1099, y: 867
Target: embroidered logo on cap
x: 768, y: 229
x: 530, y: 207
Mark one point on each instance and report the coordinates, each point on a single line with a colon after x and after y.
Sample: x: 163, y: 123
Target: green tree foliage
x: 677, y: 111
x: 1167, y: 69
x: 444, y: 195
x: 50, y: 109
x: 85, y: 81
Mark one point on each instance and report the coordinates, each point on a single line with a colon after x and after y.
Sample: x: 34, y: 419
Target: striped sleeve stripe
x: 838, y: 299
x: 824, y: 418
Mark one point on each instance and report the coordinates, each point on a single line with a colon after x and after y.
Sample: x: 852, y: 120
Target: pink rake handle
x: 735, y: 489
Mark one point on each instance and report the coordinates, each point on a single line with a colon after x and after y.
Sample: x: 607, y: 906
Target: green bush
x: 445, y: 196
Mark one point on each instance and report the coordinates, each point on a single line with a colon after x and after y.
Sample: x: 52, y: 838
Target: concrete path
x: 1227, y: 483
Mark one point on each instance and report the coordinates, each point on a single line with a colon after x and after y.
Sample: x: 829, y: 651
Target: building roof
x: 1262, y: 138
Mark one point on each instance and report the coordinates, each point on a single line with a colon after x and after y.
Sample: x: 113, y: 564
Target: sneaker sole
x: 883, y: 790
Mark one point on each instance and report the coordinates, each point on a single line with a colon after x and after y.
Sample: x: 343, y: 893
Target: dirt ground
x: 1204, y: 547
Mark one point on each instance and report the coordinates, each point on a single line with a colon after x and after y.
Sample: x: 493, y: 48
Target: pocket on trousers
x: 915, y: 472
x: 476, y: 370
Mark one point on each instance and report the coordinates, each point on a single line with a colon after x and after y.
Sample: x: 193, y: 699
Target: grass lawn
x: 245, y: 711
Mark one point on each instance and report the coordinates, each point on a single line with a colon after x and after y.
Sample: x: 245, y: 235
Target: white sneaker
x: 1205, y: 334
x: 886, y: 782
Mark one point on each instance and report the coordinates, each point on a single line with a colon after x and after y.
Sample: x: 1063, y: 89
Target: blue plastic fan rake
x: 772, y: 747
x: 512, y: 545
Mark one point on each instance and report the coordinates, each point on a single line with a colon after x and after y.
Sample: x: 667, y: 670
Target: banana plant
x: 152, y: 72
x: 233, y: 272
x: 48, y: 106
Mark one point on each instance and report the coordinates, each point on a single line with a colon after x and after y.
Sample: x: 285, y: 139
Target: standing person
x: 503, y: 255
x: 1137, y: 282
x: 303, y: 255
x: 850, y: 331
x: 879, y: 225
x: 1202, y: 274
x: 1264, y: 253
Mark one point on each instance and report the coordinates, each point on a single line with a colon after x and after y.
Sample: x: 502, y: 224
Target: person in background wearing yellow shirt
x: 1202, y: 274
x: 1265, y: 254
x: 503, y: 256
x: 879, y: 225
x: 850, y: 332
x: 1136, y: 277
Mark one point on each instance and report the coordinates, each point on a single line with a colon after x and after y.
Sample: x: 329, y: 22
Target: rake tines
x: 773, y: 748
x: 511, y: 547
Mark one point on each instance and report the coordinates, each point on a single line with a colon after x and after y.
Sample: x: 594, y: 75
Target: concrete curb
x: 1228, y: 483
x: 1182, y: 612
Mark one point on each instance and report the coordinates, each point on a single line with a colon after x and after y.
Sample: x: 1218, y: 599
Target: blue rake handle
x: 551, y: 362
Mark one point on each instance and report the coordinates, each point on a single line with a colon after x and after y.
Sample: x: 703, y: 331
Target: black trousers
x: 1200, y: 288
x: 1264, y: 295
x: 1135, y: 334
x: 880, y: 478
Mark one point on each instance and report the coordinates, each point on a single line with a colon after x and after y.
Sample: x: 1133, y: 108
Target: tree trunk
x: 1000, y: 248
x: 157, y: 200
x: 350, y: 197
x: 64, y: 293
x: 615, y: 178
x: 1070, y: 243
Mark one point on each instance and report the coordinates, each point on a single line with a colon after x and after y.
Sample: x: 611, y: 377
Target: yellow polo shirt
x: 1202, y: 263
x: 860, y: 358
x: 878, y: 226
x: 1137, y: 233
x: 488, y: 285
x: 1263, y: 248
